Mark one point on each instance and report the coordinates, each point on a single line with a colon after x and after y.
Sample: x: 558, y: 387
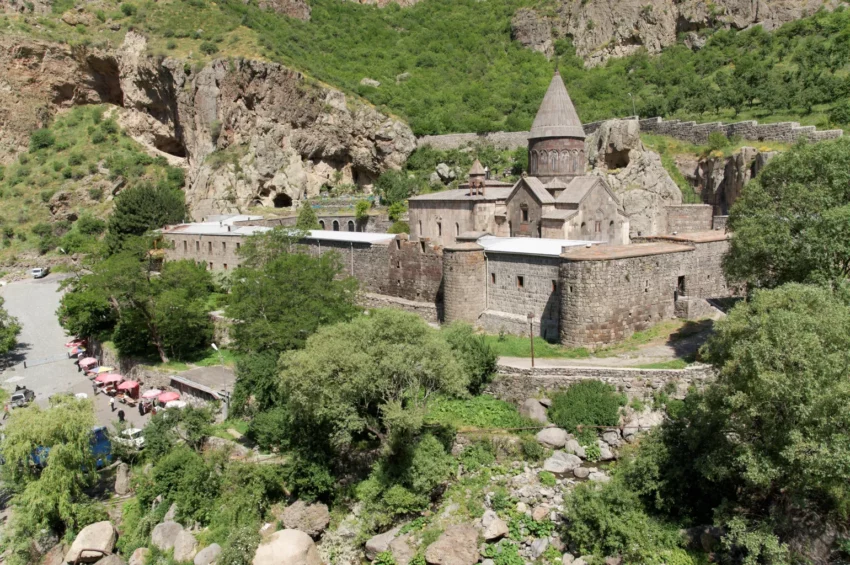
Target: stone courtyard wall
x: 786, y: 132
x: 515, y: 385
x: 686, y: 218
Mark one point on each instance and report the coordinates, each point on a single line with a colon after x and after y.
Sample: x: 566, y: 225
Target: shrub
x: 546, y: 478
x: 587, y: 403
x: 478, y: 454
x: 240, y: 546
x: 89, y: 225
x: 717, y: 140
x: 170, y: 44
x: 96, y: 193
x: 128, y: 10
x: 41, y: 139
x: 42, y: 229
x: 532, y: 450
x: 109, y: 127
x: 479, y: 412
x: 396, y: 210
x: 208, y: 48
x: 75, y: 159
x: 98, y: 137
x: 46, y: 195
x: 399, y: 227
x: 361, y: 210
x: 478, y: 359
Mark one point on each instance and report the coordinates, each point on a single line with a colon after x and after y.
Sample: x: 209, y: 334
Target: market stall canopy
x: 76, y: 343
x: 109, y: 378
x: 88, y: 361
x: 152, y: 393
x: 175, y: 404
x: 167, y: 397
x: 76, y: 350
x: 101, y: 370
x: 128, y: 385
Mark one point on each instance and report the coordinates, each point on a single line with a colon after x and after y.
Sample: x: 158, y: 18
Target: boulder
x: 540, y: 513
x: 365, y: 81
x: 100, y: 536
x: 553, y: 438
x: 208, y: 555
x: 402, y: 551
x: 612, y: 438
x: 122, y: 479
x: 492, y: 526
x: 402, y: 77
x: 532, y: 409
x: 458, y: 545
x: 140, y: 556
x: 55, y: 555
x: 568, y: 559
x: 539, y: 546
x: 312, y: 519
x: 581, y: 472
x: 573, y: 446
x: 599, y: 477
x: 164, y: 535
x: 561, y: 462
x: 605, y: 451
x: 185, y: 547
x: 171, y: 515
x: 533, y: 31
x: 112, y: 560
x: 445, y: 172
x: 287, y: 547
x: 380, y: 543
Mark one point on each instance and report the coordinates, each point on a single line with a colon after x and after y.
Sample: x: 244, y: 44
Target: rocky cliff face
x: 635, y: 174
x: 248, y: 132
x: 720, y: 180
x: 601, y: 29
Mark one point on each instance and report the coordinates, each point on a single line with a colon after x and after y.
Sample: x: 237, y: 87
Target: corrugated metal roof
x: 350, y: 236
x: 490, y: 193
x: 529, y: 245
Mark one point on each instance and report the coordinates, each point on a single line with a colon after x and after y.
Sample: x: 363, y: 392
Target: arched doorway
x: 350, y: 225
x: 321, y: 224
x: 336, y: 225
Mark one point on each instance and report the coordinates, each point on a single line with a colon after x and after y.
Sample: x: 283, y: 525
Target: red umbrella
x: 128, y: 385
x: 109, y: 378
x: 75, y: 343
x: 88, y: 362
x: 168, y: 397
x: 152, y: 393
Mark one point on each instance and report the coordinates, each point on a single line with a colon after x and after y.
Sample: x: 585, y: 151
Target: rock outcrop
x: 99, y: 536
x: 287, y: 547
x: 297, y: 9
x: 458, y: 545
x: 720, y: 180
x: 312, y: 519
x: 249, y: 133
x: 635, y: 174
x: 601, y: 29
x: 164, y: 535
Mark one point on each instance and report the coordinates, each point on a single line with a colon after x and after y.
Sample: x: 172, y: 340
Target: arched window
x: 336, y: 225
x: 523, y: 209
x: 321, y: 224
x: 350, y: 225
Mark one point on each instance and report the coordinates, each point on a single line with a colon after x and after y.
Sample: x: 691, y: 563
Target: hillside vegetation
x: 451, y: 65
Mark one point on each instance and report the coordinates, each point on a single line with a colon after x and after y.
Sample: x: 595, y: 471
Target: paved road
x: 42, y: 347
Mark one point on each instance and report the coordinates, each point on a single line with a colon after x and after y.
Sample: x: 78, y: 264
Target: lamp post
x: 531, y: 336
x: 634, y: 111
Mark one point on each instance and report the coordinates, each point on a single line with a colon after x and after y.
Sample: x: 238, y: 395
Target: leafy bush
x: 396, y: 211
x: 532, y: 450
x: 240, y: 547
x: 89, y: 225
x: 717, y: 140
x: 587, y: 403
x: 208, y: 48
x: 475, y: 354
x: 41, y: 139
x: 478, y: 454
x: 478, y: 412
x: 361, y: 210
x: 396, y: 186
x: 128, y: 10
x: 546, y: 478
x: 399, y: 227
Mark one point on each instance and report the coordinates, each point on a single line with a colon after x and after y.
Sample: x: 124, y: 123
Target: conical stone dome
x: 557, y: 116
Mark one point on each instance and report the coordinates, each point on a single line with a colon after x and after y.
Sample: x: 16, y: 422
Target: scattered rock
x: 267, y: 529
x: 612, y: 438
x: 613, y: 560
x: 208, y: 555
x: 488, y: 562
x: 298, y: 9
x: 402, y: 77
x: 533, y: 31
x: 540, y: 513
x: 122, y: 479
x: 538, y: 546
x: 446, y: 173
x: 185, y: 547
x: 605, y: 452
x: 312, y: 519
x: 553, y: 438
x: 573, y: 446
x: 73, y: 18
x: 568, y: 559
x: 100, y: 536
x: 532, y: 408
x: 112, y: 560
x: 581, y: 472
x: 547, y: 402
x: 493, y: 527
x: 287, y: 547
x: 458, y: 545
x: 171, y: 515
x: 580, y: 561
x: 165, y: 534
x: 55, y: 555
x: 236, y: 449
x: 370, y: 82
x: 140, y: 556
x: 402, y: 551
x: 45, y: 541
x: 561, y: 462
x: 599, y: 477
x: 521, y: 507
x: 380, y: 543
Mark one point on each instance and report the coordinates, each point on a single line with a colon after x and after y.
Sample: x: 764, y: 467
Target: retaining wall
x: 515, y: 385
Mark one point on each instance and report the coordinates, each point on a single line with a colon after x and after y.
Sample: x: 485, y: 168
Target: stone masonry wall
x: 686, y: 218
x: 218, y: 252
x: 373, y: 224
x: 368, y: 263
x: 463, y: 280
x: 415, y: 270
x: 692, y: 132
x: 509, y: 301
x: 515, y: 385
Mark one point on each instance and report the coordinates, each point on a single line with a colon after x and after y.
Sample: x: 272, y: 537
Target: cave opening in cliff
x: 169, y: 145
x: 282, y: 200
x: 617, y: 159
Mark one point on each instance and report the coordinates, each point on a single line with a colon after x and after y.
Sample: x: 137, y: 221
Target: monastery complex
x: 553, y: 248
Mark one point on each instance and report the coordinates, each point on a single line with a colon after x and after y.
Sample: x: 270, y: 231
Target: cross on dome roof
x: 557, y: 116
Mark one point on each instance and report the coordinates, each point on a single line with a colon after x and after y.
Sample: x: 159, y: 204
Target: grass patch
x: 220, y: 429
x: 481, y: 412
x: 672, y: 364
x: 206, y: 358
x: 517, y: 346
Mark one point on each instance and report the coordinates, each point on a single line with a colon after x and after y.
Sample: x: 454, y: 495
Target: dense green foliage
x: 54, y: 498
x: 586, y: 403
x: 467, y: 74
x: 9, y: 330
x: 307, y: 219
x: 146, y: 207
x: 790, y: 224
x: 143, y: 313
x: 477, y: 412
x: 475, y: 354
x: 281, y: 298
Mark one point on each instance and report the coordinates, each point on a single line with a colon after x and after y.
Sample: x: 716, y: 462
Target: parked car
x: 131, y: 437
x: 21, y: 397
x: 40, y: 272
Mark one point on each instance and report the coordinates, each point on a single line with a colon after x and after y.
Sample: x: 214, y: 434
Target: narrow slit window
x: 492, y: 278
x: 520, y: 281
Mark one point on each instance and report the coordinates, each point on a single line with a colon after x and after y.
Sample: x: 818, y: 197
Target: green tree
x: 475, y: 355
x: 307, y: 219
x: 9, y: 330
x: 790, y: 223
x: 143, y: 208
x: 257, y: 384
x: 282, y: 300
x: 372, y: 375
x: 361, y: 210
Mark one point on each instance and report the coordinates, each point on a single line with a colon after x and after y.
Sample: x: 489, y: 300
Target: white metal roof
x: 216, y: 228
x: 529, y: 245
x: 352, y: 236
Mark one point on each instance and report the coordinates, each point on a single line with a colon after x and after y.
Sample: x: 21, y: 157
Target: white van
x: 40, y: 272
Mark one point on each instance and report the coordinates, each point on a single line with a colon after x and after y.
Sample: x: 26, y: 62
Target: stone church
x: 555, y: 200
